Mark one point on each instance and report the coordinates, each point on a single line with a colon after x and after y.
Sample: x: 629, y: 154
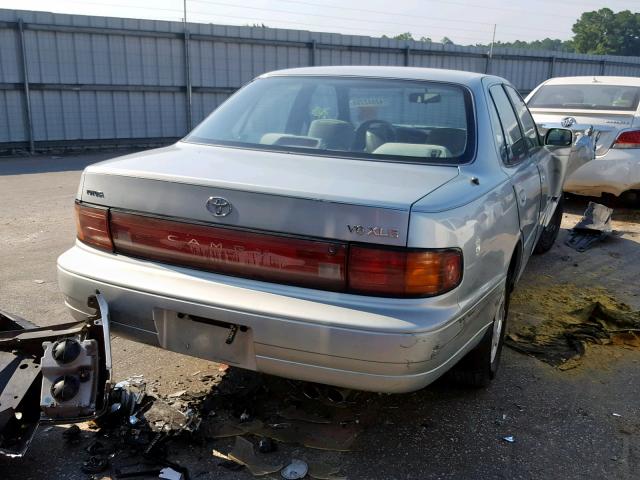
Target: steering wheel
x: 360, y: 137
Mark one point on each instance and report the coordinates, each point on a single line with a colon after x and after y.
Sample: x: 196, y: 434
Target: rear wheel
x: 480, y: 365
x: 551, y: 231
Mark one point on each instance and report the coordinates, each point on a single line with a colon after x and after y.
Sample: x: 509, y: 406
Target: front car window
x: 516, y: 143
x: 384, y: 119
x: 587, y: 97
x: 526, y: 120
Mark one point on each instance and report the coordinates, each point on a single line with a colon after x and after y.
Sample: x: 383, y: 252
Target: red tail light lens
x: 403, y: 273
x: 629, y: 139
x: 271, y: 258
x: 92, y: 225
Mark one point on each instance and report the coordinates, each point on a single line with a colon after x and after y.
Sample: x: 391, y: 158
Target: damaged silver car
x: 356, y: 226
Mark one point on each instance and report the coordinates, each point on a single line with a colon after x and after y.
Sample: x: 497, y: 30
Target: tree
x: 604, y: 32
x: 446, y: 41
x: 404, y: 36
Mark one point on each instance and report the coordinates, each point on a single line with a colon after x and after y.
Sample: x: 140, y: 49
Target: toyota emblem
x: 218, y: 206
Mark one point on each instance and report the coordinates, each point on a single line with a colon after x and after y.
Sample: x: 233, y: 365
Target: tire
x: 551, y: 231
x: 478, y: 367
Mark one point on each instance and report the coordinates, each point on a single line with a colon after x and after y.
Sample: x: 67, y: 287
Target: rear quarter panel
x: 476, y: 212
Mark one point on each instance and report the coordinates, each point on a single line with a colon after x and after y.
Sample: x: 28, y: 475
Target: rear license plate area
x: 205, y: 337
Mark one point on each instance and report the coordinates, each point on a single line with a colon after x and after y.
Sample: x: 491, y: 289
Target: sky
x: 463, y: 21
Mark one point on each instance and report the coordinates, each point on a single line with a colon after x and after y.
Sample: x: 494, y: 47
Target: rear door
x: 522, y: 153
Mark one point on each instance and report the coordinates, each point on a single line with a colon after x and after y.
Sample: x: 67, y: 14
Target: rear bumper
x: 385, y: 345
x: 615, y: 172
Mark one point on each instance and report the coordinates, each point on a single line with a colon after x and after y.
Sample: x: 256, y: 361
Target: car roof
x: 404, y: 73
x: 591, y: 79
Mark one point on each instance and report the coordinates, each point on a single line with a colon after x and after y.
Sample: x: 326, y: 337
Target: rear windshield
x: 588, y: 97
x: 347, y: 117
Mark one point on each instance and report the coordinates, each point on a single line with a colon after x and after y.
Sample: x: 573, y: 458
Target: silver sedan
x: 356, y: 226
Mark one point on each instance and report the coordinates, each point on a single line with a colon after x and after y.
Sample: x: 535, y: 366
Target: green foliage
x: 552, y: 44
x: 404, y: 36
x: 601, y: 32
x: 604, y: 32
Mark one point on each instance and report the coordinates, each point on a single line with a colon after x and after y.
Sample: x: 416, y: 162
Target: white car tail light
x: 629, y: 139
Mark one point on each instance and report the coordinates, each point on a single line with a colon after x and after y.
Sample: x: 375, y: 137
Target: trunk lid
x: 606, y: 123
x: 324, y: 197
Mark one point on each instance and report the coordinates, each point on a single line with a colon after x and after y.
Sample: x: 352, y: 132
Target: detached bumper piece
x: 594, y: 226
x: 57, y: 374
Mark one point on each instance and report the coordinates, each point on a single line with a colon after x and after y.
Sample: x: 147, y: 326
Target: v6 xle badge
x: 374, y: 231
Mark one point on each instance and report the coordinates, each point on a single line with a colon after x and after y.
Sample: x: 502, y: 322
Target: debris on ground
x: 556, y: 323
x: 594, y: 226
x: 509, y: 439
x: 296, y: 470
x: 244, y: 454
x: 324, y: 471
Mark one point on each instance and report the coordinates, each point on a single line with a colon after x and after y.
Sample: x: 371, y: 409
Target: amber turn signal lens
x: 92, y: 226
x: 403, y: 273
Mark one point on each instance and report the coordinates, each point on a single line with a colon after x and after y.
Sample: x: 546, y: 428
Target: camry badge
x: 567, y: 122
x: 218, y: 206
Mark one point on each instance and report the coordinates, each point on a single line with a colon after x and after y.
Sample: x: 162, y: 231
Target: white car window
x: 588, y: 97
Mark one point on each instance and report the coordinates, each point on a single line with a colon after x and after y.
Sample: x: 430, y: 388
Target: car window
x: 516, y: 143
x: 323, y: 103
x: 586, y: 97
x: 526, y: 120
x: 386, y: 119
x: 267, y: 114
x: 498, y: 134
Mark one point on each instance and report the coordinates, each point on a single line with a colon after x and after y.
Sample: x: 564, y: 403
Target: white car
x: 610, y: 105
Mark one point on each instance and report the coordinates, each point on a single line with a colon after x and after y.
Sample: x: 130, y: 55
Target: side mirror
x: 558, y: 137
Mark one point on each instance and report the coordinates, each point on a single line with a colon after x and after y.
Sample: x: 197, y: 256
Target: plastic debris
x: 322, y: 471
x: 509, y: 439
x: 177, y: 394
x: 244, y: 454
x: 266, y: 445
x: 594, y: 226
x: 95, y: 464
x: 295, y: 470
x: 72, y: 434
x: 616, y: 414
x: 169, y: 473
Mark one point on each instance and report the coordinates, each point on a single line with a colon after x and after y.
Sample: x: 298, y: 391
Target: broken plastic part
x: 244, y: 454
x: 60, y: 373
x: 295, y: 470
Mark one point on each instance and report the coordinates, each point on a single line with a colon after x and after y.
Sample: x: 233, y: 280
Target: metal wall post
x: 313, y: 52
x: 552, y: 67
x: 407, y: 56
x: 603, y: 67
x: 25, y: 79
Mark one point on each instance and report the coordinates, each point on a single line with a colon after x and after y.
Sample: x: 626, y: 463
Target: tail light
x: 324, y: 265
x: 309, y: 263
x: 630, y: 139
x: 403, y: 273
x: 92, y: 226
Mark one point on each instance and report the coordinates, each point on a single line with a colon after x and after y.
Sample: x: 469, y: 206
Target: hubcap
x: 498, y: 323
